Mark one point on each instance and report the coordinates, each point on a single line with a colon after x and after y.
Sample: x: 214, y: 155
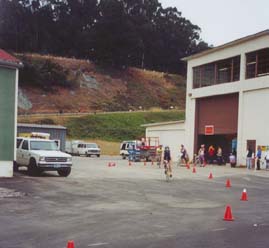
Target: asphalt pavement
x: 133, y: 206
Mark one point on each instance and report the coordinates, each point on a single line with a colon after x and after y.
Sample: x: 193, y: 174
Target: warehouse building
x: 227, y: 97
x: 170, y: 134
x: 56, y: 132
x: 9, y: 73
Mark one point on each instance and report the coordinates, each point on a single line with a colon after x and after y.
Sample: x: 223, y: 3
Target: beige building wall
x: 172, y: 135
x: 253, y: 94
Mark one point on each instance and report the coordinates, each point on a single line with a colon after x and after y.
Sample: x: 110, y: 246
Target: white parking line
x: 219, y: 229
x: 98, y: 244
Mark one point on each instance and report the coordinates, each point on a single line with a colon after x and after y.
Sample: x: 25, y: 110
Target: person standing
x: 249, y: 158
x: 219, y: 156
x: 267, y: 160
x: 201, y: 154
x: 211, y: 154
x: 259, y: 155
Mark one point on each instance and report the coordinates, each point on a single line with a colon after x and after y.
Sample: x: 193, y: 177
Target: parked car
x: 82, y: 148
x: 40, y: 155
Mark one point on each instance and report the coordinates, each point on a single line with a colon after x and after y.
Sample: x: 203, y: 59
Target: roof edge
x: 229, y: 44
x: 40, y: 125
x: 10, y: 64
x: 162, y: 123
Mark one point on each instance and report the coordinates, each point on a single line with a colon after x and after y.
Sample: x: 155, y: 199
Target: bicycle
x: 182, y: 162
x: 158, y: 159
x: 197, y: 161
x: 167, y: 171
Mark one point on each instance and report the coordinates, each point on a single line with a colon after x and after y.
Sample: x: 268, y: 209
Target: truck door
x: 18, y: 150
x: 25, y: 154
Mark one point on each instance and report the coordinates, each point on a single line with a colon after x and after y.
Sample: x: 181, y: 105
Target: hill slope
x: 55, y: 84
x: 106, y: 126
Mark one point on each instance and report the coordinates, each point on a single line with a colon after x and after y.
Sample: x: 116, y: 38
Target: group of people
x: 204, y: 156
x: 210, y: 155
x: 258, y: 157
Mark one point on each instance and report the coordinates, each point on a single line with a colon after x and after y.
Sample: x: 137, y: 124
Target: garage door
x: 219, y: 111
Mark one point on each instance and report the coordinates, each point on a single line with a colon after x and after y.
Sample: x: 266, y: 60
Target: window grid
x: 223, y: 71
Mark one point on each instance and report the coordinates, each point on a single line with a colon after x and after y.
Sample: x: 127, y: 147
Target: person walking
x: 184, y: 155
x: 249, y: 158
x: 258, y: 156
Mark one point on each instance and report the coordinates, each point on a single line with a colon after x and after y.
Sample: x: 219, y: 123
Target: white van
x: 126, y: 145
x: 82, y: 148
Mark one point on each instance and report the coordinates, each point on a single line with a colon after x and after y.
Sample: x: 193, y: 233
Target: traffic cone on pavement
x: 228, y: 183
x: 113, y: 164
x: 210, y: 176
x: 244, y: 196
x: 109, y: 164
x: 188, y: 166
x: 130, y: 163
x: 145, y: 163
x: 228, y: 214
x: 70, y: 244
x: 193, y: 170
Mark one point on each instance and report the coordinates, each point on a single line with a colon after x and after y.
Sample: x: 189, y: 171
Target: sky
x: 222, y: 21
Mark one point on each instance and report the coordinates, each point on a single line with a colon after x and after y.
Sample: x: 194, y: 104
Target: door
x: 252, y: 144
x: 25, y: 153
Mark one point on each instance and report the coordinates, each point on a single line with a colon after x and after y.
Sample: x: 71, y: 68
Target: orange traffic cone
x: 228, y: 214
x: 70, y: 244
x: 210, y: 176
x: 193, y: 170
x: 113, y: 164
x: 244, y: 196
x: 228, y: 183
x: 109, y: 164
x: 188, y: 166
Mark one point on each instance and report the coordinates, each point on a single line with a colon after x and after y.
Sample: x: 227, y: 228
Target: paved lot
x: 133, y: 206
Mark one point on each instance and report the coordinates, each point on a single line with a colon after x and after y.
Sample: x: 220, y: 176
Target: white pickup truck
x: 42, y: 155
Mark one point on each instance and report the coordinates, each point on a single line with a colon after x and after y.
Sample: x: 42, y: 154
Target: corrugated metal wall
x: 55, y: 133
x: 220, y: 111
x: 7, y: 113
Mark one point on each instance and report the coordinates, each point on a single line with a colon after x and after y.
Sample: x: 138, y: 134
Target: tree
x: 117, y: 33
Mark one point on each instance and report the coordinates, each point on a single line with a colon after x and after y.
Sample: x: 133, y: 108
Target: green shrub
x: 117, y: 126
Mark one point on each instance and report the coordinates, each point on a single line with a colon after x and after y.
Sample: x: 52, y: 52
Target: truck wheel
x: 64, y: 172
x: 15, y: 166
x: 33, y: 170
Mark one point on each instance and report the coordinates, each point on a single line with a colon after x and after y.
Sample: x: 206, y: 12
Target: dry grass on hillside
x: 116, y: 90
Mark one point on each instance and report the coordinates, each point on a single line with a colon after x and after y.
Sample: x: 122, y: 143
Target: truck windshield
x: 43, y: 145
x: 92, y: 146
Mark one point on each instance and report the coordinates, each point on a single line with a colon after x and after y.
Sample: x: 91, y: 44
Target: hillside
x: 106, y: 126
x: 54, y: 84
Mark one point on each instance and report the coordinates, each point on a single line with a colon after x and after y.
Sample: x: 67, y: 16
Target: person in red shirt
x: 211, y: 154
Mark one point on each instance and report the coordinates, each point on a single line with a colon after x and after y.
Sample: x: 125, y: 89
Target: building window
x: 257, y: 63
x: 218, y: 72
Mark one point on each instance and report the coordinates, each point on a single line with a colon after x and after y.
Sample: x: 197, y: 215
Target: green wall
x: 7, y: 113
